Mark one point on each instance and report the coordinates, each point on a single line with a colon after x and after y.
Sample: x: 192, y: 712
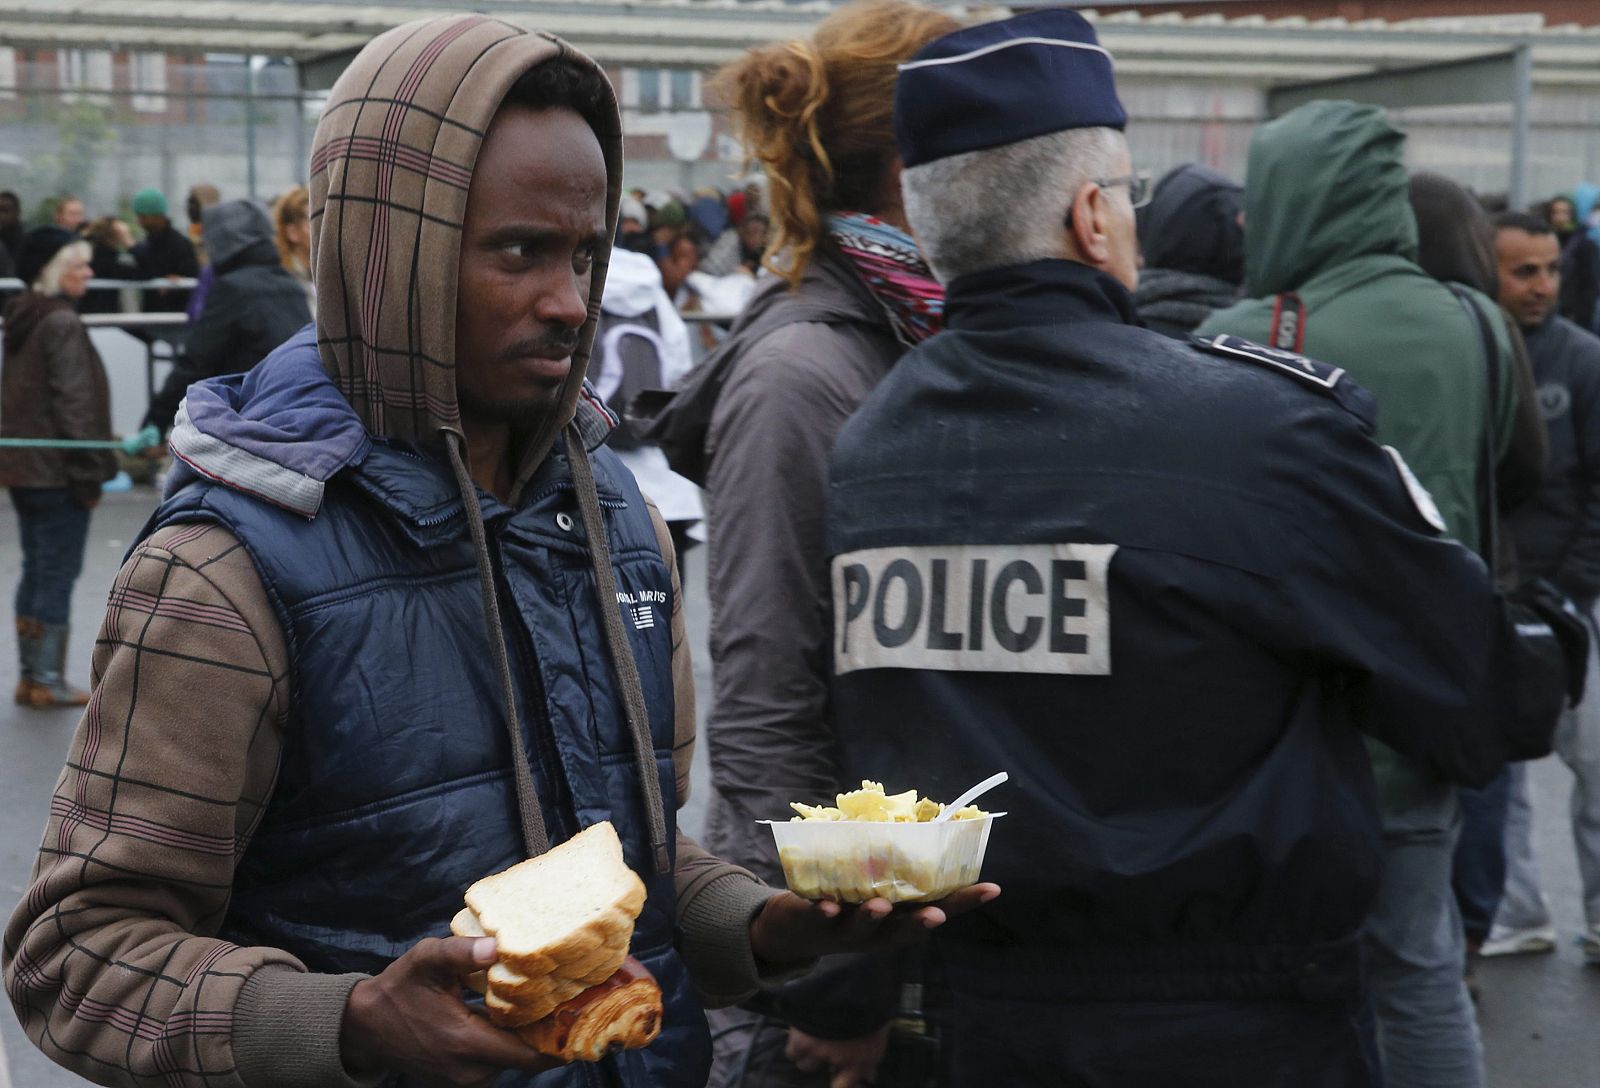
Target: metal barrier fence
x: 161, y: 336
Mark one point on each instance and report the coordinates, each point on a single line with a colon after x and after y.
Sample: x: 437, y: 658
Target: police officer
x: 1166, y: 585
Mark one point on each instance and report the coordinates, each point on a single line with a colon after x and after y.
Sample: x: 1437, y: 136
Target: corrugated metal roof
x: 706, y: 32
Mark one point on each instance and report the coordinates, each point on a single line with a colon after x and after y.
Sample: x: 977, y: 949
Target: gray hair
x: 48, y: 281
x: 1002, y: 205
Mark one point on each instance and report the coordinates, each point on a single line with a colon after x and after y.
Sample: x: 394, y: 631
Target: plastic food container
x: 855, y: 860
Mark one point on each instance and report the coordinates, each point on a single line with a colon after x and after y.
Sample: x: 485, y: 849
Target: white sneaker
x: 1589, y: 943
x: 1504, y: 941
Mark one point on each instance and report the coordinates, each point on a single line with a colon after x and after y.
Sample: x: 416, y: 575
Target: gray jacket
x: 785, y: 400
x: 1557, y: 532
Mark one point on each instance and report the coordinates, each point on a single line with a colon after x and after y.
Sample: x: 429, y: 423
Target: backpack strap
x: 1488, y: 501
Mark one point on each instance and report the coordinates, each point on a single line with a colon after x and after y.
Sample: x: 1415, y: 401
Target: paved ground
x: 1541, y: 1015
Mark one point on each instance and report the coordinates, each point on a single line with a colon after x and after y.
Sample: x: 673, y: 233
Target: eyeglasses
x: 1139, y: 190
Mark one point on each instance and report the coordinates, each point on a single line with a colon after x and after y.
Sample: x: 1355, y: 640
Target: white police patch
x: 1030, y: 608
x: 1299, y: 366
x: 1419, y: 494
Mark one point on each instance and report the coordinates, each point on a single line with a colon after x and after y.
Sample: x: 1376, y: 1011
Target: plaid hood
x: 391, y: 164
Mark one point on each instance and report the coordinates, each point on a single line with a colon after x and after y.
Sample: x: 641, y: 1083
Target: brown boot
x: 50, y: 687
x: 29, y: 632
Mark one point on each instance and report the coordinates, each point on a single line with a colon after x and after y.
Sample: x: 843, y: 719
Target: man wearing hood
x: 1193, y: 247
x: 642, y: 343
x: 1330, y: 268
x: 399, y: 623
x: 254, y: 305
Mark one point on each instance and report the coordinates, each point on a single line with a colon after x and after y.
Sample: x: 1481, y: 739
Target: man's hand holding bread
x: 546, y: 943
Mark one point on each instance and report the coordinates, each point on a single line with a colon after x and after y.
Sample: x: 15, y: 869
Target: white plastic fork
x: 970, y: 796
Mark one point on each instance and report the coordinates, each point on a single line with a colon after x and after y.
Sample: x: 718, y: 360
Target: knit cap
x: 149, y: 202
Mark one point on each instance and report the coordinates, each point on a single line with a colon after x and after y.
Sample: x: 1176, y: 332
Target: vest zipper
x: 536, y: 709
x: 439, y: 519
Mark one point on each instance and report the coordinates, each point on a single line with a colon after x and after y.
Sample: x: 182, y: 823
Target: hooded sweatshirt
x: 253, y: 305
x: 115, y: 966
x: 1328, y: 219
x: 637, y: 316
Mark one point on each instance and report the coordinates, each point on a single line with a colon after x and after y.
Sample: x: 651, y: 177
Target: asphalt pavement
x: 1540, y: 1014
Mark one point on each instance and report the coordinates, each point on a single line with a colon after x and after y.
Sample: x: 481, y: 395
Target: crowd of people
x: 1253, y: 527
x: 252, y: 291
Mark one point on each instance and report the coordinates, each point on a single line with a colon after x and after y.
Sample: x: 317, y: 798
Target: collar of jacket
x: 1047, y: 292
x: 418, y: 489
x: 833, y: 280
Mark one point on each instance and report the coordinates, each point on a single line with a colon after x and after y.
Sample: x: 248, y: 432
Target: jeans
x: 1427, y: 1032
x: 1578, y: 746
x: 1479, y: 874
x: 53, y: 527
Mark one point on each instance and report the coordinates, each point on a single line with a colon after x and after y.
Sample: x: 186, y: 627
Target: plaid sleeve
x: 111, y: 959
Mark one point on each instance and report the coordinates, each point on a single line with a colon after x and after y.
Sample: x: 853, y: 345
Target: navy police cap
x: 1003, y: 82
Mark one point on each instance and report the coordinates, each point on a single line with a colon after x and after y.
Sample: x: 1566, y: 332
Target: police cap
x: 1003, y: 82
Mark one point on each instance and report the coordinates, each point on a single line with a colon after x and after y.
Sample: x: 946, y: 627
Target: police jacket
x: 1166, y: 588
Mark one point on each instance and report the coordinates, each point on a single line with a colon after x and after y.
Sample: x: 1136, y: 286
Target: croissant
x: 623, y: 1012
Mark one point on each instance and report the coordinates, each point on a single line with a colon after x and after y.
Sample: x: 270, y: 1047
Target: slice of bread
x: 562, y: 922
x: 590, y: 969
x: 532, y: 1007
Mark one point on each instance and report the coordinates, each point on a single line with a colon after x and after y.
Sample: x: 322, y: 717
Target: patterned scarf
x: 887, y: 259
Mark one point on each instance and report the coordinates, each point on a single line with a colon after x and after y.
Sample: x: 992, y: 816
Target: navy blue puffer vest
x: 395, y: 789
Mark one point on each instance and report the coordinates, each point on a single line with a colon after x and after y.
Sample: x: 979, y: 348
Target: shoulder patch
x: 1321, y: 375
x: 1420, y: 498
x: 1329, y: 380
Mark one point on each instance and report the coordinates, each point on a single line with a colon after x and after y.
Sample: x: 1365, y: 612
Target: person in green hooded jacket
x: 1330, y: 271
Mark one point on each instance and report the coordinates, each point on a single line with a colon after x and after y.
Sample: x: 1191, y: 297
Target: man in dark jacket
x: 1167, y: 587
x: 254, y: 306
x: 1193, y: 248
x: 164, y: 254
x: 1557, y: 537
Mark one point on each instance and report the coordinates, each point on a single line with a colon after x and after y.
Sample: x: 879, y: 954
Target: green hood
x: 1326, y: 185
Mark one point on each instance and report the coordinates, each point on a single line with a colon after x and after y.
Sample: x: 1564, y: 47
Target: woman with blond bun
x: 850, y: 293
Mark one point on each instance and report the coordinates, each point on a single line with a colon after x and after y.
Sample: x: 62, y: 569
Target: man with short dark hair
x: 1557, y: 536
x: 400, y: 622
x: 680, y: 256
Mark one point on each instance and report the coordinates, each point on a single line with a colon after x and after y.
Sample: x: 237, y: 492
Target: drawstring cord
x: 622, y: 662
x: 534, y: 838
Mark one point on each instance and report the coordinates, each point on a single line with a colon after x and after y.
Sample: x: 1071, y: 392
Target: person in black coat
x: 1193, y: 242
x: 255, y: 305
x: 165, y: 253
